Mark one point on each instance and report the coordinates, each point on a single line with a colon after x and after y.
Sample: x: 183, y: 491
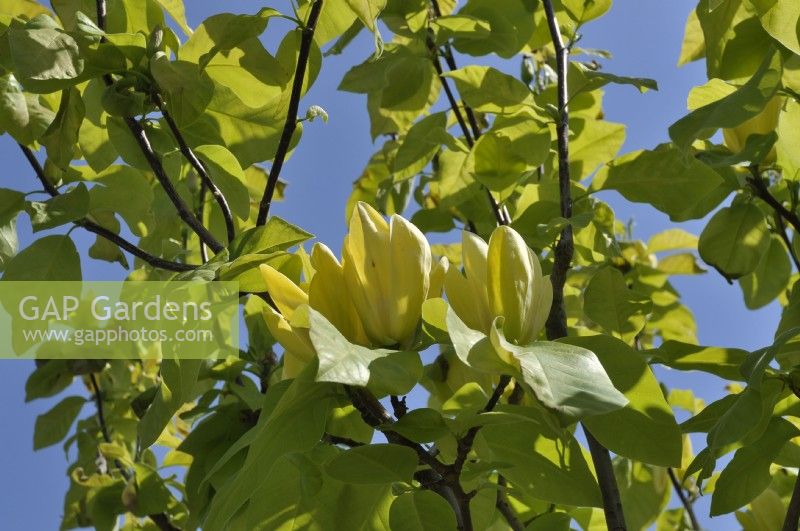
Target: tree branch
x: 500, y: 213
x: 792, y: 519
x: 764, y: 194
x: 687, y: 504
x: 140, y: 136
x: 199, y: 167
x: 101, y: 231
x: 161, y: 520
x: 505, y: 508
x: 557, y: 320
x: 291, y: 116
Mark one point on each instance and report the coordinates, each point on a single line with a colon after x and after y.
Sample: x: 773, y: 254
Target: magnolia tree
x: 540, y: 322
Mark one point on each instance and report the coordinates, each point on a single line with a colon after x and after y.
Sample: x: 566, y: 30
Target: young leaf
x: 53, y: 426
x: 735, y: 239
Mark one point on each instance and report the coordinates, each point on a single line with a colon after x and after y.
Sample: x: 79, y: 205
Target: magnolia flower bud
x: 501, y: 279
x: 387, y: 270
x: 764, y: 122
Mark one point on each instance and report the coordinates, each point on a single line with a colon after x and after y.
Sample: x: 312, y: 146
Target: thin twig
x: 687, y: 504
x: 504, y: 506
x: 101, y: 231
x: 199, y: 167
x: 557, y: 320
x: 781, y: 228
x: 161, y: 520
x: 792, y: 519
x: 140, y: 136
x: 763, y: 192
x: 291, y: 116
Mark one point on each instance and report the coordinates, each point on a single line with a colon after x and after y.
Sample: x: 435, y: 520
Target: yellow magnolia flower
x: 374, y: 297
x: 501, y: 279
x: 387, y: 269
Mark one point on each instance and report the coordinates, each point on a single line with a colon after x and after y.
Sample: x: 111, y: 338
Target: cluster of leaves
x: 138, y: 123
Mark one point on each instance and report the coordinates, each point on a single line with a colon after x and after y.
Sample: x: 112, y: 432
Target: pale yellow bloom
x: 387, y: 268
x: 373, y: 298
x: 501, y: 279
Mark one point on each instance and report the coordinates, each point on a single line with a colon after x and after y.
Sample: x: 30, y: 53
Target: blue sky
x: 644, y: 37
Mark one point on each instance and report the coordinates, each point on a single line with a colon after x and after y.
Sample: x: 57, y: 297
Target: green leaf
x: 486, y: 89
x: 594, y: 79
x: 420, y: 144
x: 780, y: 19
x: 566, y: 378
x: 732, y: 110
x: 126, y: 191
x: 93, y: 139
x: 186, y: 88
x: 227, y: 174
x: 228, y: 30
x: 748, y: 473
x: 373, y: 464
x: 609, y: 302
x: 296, y: 424
x: 341, y: 361
x: 61, y: 209
x: 503, y: 156
x: 22, y: 115
x: 645, y: 491
x: 178, y: 380
x: 754, y: 367
x: 53, y: 426
x: 421, y: 510
x: 644, y: 430
x: 61, y: 137
x: 672, y: 240
x: 723, y: 362
x: 583, y: 11
x: 542, y: 462
x: 770, y: 278
x: 421, y: 425
x: 674, y: 183
x: 367, y: 11
x: 735, y: 239
x: 50, y: 258
x: 276, y: 235
x: 49, y: 378
x: 177, y: 11
x: 512, y: 25
x: 460, y: 27
x: 596, y: 142
x: 45, y: 59
x: 474, y: 348
x: 694, y: 44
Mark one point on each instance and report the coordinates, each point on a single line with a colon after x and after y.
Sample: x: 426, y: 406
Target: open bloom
x: 373, y: 297
x: 501, y: 279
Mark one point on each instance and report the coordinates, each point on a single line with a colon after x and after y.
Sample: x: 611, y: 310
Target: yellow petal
x: 285, y: 293
x: 295, y: 342
x: 366, y: 266
x: 329, y: 295
x: 511, y: 279
x: 436, y: 282
x: 463, y: 300
x: 474, y: 254
x: 407, y: 279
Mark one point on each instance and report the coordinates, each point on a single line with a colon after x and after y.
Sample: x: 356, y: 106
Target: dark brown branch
x: 500, y: 214
x: 101, y: 231
x: 781, y: 229
x: 344, y: 441
x: 762, y: 192
x: 687, y: 504
x: 505, y: 508
x: 140, y: 136
x: 564, y: 250
x: 199, y: 167
x: 792, y: 519
x: 291, y: 116
x: 161, y: 520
